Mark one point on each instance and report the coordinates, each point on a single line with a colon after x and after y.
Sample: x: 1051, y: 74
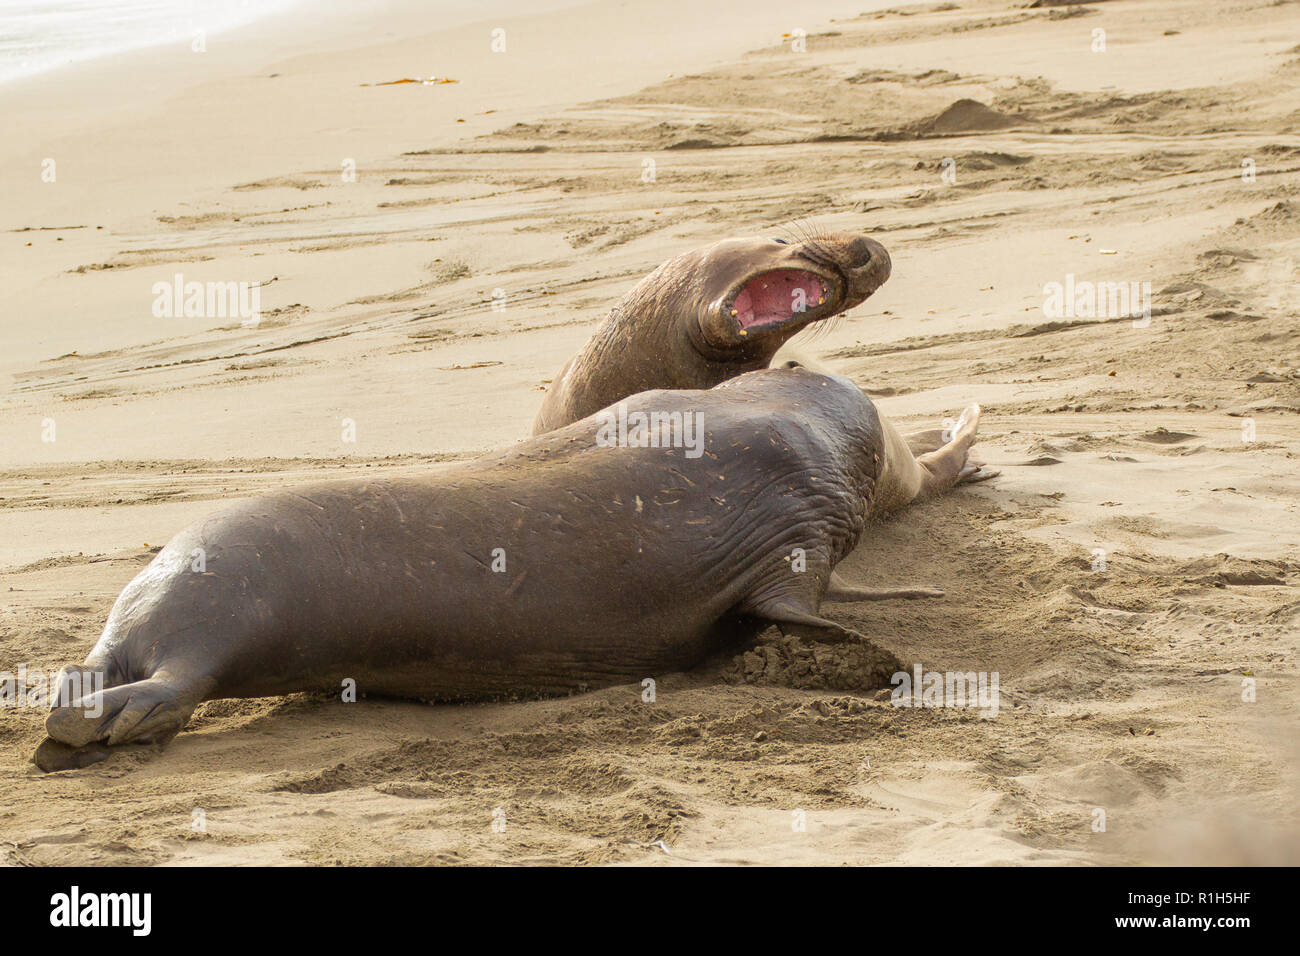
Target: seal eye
x: 784, y: 242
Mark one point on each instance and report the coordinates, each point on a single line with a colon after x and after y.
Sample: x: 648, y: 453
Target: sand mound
x: 1283, y: 211
x: 791, y: 662
x: 965, y: 116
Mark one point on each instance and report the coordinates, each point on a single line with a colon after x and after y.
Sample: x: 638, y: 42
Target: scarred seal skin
x: 711, y: 314
x: 561, y: 565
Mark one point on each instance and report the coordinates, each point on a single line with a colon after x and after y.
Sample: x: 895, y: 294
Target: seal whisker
x: 804, y: 227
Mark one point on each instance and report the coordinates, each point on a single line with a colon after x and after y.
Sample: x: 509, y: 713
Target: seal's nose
x: 864, y: 252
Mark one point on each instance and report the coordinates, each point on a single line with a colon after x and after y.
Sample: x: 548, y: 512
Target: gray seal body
x: 563, y: 564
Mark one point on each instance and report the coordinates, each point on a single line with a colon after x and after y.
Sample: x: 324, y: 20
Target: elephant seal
x: 566, y: 563
x: 711, y: 314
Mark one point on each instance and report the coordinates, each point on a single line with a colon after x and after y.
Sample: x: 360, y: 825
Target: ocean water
x: 40, y: 35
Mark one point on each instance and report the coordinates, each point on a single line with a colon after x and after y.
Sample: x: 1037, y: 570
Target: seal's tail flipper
x: 89, y: 729
x: 51, y: 755
x: 144, y: 711
x: 975, y: 471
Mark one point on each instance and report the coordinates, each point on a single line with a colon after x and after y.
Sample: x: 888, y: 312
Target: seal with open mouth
x: 711, y: 314
x: 560, y: 565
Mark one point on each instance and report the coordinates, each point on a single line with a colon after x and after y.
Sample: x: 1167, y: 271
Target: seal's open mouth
x: 774, y: 298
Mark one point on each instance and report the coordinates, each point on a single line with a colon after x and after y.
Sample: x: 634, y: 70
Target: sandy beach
x: 1131, y: 575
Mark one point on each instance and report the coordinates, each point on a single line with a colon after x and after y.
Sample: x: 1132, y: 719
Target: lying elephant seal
x: 559, y: 565
x: 712, y: 314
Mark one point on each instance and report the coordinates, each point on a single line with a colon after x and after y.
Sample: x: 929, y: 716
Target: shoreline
x: 190, y: 32
x: 185, y: 136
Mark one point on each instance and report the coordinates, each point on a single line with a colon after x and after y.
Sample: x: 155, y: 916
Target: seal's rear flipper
x: 973, y: 473
x: 151, y: 710
x: 52, y: 756
x: 948, y: 465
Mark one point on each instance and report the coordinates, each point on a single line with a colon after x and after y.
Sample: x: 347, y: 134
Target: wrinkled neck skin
x: 864, y: 442
x: 653, y: 339
x: 848, y: 425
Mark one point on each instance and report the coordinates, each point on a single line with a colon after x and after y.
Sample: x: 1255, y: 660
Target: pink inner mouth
x: 777, y: 297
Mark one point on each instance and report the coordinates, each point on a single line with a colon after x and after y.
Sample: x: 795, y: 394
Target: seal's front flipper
x: 839, y: 591
x: 870, y: 658
x: 796, y: 623
x: 793, y: 608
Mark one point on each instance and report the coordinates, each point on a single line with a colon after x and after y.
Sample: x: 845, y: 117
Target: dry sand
x: 1121, y: 689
